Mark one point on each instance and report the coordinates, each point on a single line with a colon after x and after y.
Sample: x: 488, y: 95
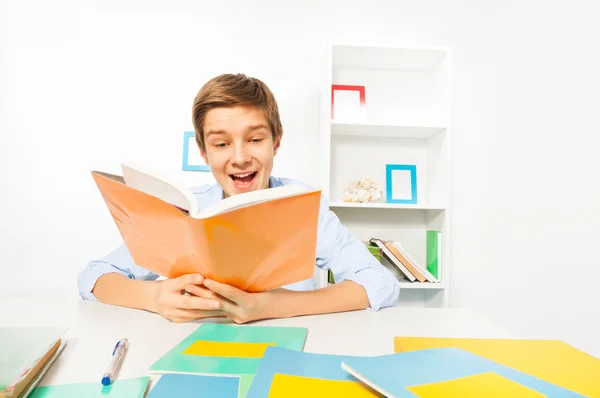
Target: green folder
x: 244, y: 386
x: 175, y: 361
x: 120, y: 388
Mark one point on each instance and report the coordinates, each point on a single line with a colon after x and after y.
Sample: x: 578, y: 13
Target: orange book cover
x: 263, y: 244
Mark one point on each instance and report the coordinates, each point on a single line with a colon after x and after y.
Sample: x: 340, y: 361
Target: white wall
x: 87, y: 84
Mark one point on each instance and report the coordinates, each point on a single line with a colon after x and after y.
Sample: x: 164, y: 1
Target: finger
x: 227, y: 291
x: 188, y: 279
x: 192, y: 315
x: 200, y: 291
x: 203, y: 292
x: 227, y: 306
x: 190, y: 302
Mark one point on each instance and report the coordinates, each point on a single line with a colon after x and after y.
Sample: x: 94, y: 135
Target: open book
x: 255, y: 241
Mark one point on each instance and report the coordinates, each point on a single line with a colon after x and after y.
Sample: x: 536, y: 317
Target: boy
x: 238, y: 132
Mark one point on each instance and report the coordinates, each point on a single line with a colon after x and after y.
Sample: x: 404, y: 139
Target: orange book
x: 254, y: 241
x: 413, y: 270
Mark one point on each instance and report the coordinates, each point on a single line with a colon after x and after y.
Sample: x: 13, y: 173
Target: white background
x: 85, y: 85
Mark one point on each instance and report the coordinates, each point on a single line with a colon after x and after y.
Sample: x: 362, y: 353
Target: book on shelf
x: 403, y: 261
x: 414, y: 263
x: 392, y: 258
x: 239, y: 240
x: 434, y: 253
x: 375, y: 251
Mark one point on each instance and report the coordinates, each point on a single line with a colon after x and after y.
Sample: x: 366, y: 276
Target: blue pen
x: 117, y: 356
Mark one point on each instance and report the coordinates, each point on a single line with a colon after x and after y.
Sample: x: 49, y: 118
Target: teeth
x: 243, y: 175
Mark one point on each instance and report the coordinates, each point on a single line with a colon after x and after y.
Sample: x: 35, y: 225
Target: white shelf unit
x: 407, y: 121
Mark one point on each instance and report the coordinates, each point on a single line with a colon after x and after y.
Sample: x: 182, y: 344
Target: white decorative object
x: 362, y: 191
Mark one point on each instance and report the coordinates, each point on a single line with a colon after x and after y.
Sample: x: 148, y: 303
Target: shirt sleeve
x: 118, y: 261
x: 350, y: 259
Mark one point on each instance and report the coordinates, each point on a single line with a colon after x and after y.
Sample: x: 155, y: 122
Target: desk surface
x: 94, y: 328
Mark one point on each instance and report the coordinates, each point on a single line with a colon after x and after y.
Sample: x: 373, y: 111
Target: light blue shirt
x: 337, y: 249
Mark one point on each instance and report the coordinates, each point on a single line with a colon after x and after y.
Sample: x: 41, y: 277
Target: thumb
x: 189, y: 279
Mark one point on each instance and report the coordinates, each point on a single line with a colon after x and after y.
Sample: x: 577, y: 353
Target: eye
x: 257, y: 140
x: 221, y: 145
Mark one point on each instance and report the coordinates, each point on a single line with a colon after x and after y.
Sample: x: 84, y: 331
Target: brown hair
x: 230, y: 90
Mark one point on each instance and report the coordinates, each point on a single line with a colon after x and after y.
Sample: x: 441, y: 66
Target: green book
x: 330, y: 278
x: 434, y: 254
x: 375, y: 251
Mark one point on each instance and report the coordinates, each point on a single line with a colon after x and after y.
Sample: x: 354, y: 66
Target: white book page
x: 249, y: 198
x: 149, y: 181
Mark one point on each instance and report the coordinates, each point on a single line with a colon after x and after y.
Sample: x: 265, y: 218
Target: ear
x: 277, y: 143
x: 204, y: 157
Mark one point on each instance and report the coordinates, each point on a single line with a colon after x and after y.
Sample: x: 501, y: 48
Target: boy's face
x: 239, y: 148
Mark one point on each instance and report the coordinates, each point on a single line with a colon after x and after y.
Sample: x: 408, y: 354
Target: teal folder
x: 120, y: 388
x: 175, y: 361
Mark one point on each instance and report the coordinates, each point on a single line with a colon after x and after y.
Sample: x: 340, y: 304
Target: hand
x: 239, y: 305
x: 171, y: 302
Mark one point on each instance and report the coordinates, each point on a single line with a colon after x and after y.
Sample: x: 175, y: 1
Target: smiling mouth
x: 243, y: 178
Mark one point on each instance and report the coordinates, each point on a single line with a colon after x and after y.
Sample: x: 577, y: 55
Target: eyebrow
x: 249, y: 129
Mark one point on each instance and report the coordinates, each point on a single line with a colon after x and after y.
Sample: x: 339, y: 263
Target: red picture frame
x: 339, y: 87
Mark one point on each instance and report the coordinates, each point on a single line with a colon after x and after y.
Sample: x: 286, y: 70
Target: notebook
x: 395, y: 374
x: 551, y: 360
x: 26, y: 352
x: 239, y: 240
x: 217, y: 349
x: 182, y: 385
x: 287, y: 373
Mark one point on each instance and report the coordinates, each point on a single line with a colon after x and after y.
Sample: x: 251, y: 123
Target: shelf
x: 383, y: 130
x: 345, y: 56
x: 378, y: 205
x: 422, y: 285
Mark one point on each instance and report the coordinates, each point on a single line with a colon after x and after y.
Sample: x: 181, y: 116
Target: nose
x: 241, y: 156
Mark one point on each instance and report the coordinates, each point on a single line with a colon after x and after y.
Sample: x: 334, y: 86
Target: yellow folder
x: 550, y: 360
x: 488, y: 385
x: 227, y: 349
x: 291, y: 386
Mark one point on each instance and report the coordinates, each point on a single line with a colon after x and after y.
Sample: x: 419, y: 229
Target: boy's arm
x: 361, y: 281
x: 345, y: 296
x: 117, y: 289
x: 349, y: 259
x: 117, y: 280
x: 119, y: 262
x: 244, y: 307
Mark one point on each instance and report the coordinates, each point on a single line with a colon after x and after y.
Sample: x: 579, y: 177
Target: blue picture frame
x: 389, y: 168
x: 185, y: 164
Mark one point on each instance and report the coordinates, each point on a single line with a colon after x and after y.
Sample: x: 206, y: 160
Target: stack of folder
x: 26, y: 355
x: 243, y: 361
x: 246, y: 361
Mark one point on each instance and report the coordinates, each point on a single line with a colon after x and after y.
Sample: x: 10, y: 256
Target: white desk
x: 96, y: 327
